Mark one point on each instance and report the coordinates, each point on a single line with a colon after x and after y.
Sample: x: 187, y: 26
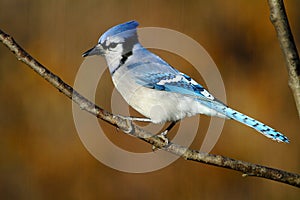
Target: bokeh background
x: 41, y: 155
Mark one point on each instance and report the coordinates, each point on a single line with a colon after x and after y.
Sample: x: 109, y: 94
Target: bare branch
x: 280, y: 21
x: 128, y: 127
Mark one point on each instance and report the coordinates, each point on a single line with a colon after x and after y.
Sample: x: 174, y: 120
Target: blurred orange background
x: 41, y: 155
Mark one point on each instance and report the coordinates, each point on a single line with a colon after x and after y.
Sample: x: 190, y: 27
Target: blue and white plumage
x: 157, y: 90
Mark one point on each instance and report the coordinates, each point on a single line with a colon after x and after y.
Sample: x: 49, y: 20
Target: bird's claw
x: 163, y: 138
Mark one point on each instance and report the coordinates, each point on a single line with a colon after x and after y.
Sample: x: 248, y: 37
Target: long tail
x: 225, y: 111
x: 257, y: 125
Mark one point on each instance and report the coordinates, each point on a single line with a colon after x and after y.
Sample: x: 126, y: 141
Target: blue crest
x: 129, y: 29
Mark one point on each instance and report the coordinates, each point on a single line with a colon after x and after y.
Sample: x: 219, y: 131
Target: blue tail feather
x: 257, y: 125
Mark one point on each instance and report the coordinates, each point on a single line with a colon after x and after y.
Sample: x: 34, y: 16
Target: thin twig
x: 280, y: 22
x: 128, y: 127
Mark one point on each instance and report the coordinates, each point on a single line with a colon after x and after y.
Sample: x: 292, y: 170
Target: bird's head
x: 115, y: 43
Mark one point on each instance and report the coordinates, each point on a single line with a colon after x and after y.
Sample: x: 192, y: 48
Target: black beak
x: 97, y: 50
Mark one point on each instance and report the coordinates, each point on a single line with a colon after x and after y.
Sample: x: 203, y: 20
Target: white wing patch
x: 194, y: 82
x: 207, y: 94
x: 173, y: 80
x: 204, y: 92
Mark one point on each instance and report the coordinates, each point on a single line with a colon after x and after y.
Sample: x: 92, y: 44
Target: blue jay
x: 157, y: 90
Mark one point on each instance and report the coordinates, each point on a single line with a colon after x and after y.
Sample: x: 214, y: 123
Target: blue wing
x: 153, y: 72
x: 177, y: 83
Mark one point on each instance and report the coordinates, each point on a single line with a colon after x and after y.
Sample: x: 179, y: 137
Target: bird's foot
x: 163, y: 139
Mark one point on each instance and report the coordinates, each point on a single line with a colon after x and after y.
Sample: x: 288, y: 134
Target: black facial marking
x: 125, y: 57
x: 112, y: 45
x: 127, y: 46
x: 123, y: 60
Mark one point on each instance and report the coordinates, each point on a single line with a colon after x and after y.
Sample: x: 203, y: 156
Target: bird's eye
x: 112, y: 45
